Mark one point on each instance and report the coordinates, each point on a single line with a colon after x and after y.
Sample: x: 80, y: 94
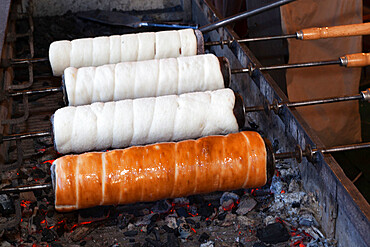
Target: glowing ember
x: 25, y: 203
x: 48, y: 161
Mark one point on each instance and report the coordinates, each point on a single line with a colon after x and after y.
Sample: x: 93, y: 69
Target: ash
x: 279, y: 214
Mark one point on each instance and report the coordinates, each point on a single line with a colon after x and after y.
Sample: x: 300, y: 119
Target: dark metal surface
x: 4, y: 13
x: 115, y: 18
x: 240, y: 16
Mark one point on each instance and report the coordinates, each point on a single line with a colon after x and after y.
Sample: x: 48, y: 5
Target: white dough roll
x: 124, y: 123
x: 120, y: 48
x: 131, y: 80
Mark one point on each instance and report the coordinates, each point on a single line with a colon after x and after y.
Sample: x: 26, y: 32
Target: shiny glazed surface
x: 153, y: 172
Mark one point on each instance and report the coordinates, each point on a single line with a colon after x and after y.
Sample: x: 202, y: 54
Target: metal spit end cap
x: 299, y: 35
x: 366, y: 95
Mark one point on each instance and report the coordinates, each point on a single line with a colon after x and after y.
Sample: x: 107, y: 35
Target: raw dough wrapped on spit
x: 130, y: 80
x: 124, y: 123
x: 120, y: 48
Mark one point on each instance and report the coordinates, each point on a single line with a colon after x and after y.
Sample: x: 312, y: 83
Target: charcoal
x: 6, y: 205
x: 131, y: 240
x: 228, y: 205
x: 151, y: 227
x: 38, y: 194
x: 181, y: 201
x: 172, y: 241
x: 93, y: 213
x: 246, y: 205
x: 161, y: 207
x: 37, y: 221
x: 38, y: 173
x: 184, y: 230
x: 43, y: 207
x: 171, y: 222
x: 181, y: 212
x: 130, y: 233
x: 259, y: 244
x: 48, y: 235
x: 154, y: 218
x: 307, y: 219
x: 228, y: 200
x: 296, y: 204
x: 156, y: 233
x: 137, y: 245
x: 153, y: 242
x: 245, y: 221
x: 193, y: 210
x: 167, y: 229
x: 229, y: 220
x: 203, y: 238
x: 273, y: 234
x: 50, y: 213
x: 208, y: 222
x: 208, y: 244
x: 190, y: 221
x: 83, y: 243
x: 123, y: 220
x: 60, y: 229
x: 54, y: 244
x: 197, y: 225
x: 221, y: 216
x: 205, y: 212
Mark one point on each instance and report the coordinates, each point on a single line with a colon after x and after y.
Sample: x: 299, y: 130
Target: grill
x: 317, y: 191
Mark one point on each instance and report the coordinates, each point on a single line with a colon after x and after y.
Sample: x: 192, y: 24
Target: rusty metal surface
x: 345, y: 213
x: 4, y: 13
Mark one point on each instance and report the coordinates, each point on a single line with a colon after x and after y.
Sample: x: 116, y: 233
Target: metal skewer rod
x: 309, y: 152
x: 240, y: 16
x: 9, y: 62
x: 287, y: 66
x: 343, y: 148
x: 24, y: 136
x: 364, y: 95
x: 46, y: 90
x: 349, y: 61
x: 313, y: 33
x: 25, y: 188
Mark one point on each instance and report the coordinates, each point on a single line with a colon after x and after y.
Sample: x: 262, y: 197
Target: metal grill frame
x: 345, y: 213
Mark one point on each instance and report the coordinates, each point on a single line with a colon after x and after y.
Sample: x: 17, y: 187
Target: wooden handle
x: 334, y: 32
x: 356, y: 60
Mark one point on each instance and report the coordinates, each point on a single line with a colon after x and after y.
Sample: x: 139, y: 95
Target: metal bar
x: 322, y: 101
x: 226, y: 42
x: 24, y: 136
x: 298, y: 152
x: 253, y: 108
x: 28, y: 60
x: 46, y: 90
x: 246, y: 14
x: 287, y: 36
x: 343, y: 148
x: 288, y: 66
x: 25, y: 188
